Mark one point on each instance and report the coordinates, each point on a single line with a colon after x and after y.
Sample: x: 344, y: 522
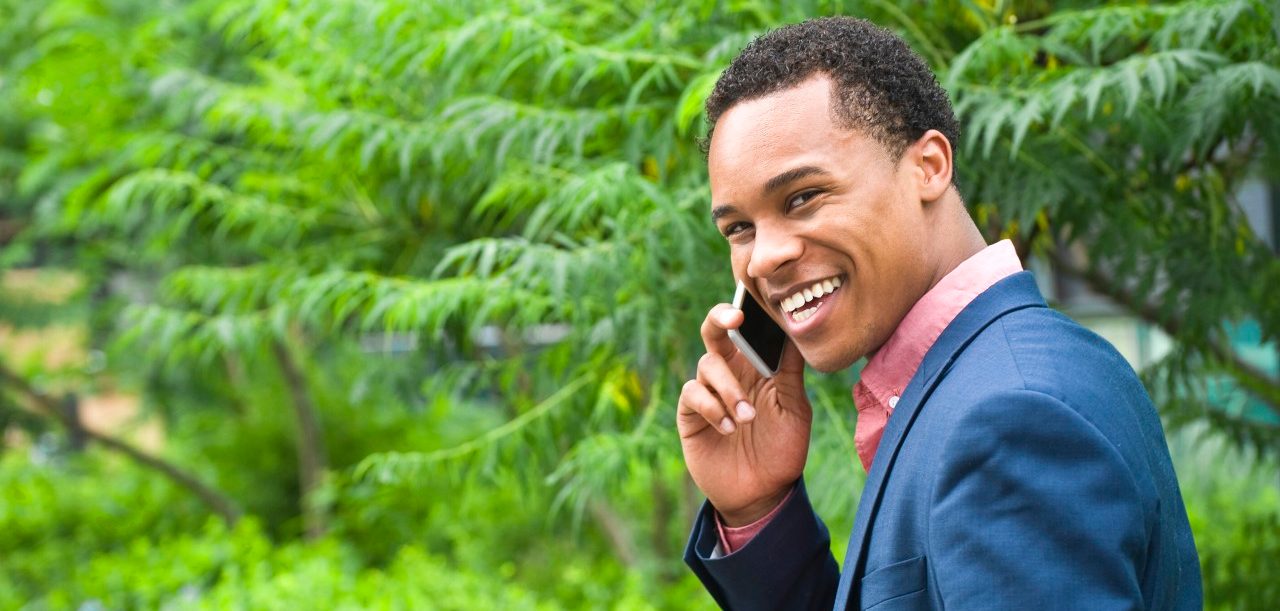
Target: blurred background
x: 386, y: 304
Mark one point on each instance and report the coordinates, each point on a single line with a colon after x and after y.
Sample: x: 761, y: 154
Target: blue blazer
x: 1023, y: 468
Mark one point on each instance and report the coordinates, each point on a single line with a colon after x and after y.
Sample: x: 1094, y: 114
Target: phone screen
x: 764, y: 335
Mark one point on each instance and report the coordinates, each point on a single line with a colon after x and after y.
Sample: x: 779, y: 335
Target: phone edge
x: 752, y: 356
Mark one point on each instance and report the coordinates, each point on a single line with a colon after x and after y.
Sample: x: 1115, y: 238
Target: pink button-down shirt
x: 893, y: 365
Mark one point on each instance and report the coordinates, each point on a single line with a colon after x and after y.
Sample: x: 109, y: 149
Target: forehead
x: 779, y: 118
x: 756, y: 139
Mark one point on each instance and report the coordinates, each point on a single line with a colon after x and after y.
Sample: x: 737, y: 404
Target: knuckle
x: 708, y: 409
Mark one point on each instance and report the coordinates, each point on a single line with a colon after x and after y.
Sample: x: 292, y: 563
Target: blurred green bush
x: 89, y: 528
x: 92, y: 531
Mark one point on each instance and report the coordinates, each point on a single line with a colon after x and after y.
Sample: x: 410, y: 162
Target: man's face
x: 806, y: 203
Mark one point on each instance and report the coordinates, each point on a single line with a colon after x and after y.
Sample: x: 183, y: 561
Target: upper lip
x: 776, y: 297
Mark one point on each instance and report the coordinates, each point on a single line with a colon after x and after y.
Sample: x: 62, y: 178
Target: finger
x: 697, y: 399
x: 715, y: 329
x: 715, y: 374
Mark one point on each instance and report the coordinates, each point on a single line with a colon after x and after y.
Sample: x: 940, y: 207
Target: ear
x: 931, y: 156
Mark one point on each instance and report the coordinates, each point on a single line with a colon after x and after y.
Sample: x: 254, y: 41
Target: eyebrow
x: 771, y: 185
x: 722, y: 211
x: 790, y: 176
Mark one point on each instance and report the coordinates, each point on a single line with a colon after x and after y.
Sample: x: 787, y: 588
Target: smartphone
x: 759, y: 338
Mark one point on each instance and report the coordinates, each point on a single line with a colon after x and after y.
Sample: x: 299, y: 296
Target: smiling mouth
x: 801, y: 305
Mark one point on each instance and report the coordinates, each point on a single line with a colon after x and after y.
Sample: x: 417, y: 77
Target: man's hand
x: 745, y: 437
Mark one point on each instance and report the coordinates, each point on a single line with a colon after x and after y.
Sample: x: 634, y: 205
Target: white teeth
x: 805, y: 295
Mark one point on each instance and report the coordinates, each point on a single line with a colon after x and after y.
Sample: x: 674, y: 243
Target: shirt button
x: 893, y: 401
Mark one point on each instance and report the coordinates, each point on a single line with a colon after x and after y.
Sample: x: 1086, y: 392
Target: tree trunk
x: 663, y: 510
x: 616, y: 530
x: 312, y: 460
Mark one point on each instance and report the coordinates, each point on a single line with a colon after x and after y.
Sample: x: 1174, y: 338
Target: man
x: 1015, y: 461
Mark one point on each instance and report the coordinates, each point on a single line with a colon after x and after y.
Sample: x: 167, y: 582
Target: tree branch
x: 1250, y: 377
x: 312, y: 458
x: 48, y: 406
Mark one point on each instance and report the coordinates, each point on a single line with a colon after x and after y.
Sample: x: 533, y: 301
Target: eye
x: 733, y: 229
x: 800, y: 199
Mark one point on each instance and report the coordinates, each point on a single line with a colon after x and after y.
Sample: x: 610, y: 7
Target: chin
x: 830, y: 361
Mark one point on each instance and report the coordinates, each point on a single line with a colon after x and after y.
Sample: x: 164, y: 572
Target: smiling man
x: 1014, y: 458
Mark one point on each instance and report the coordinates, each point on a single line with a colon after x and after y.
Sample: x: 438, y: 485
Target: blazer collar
x: 1013, y: 293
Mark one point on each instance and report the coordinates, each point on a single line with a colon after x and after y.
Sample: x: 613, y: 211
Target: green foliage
x: 58, y: 517
x: 513, y: 195
x: 1233, y: 503
x: 93, y: 531
x: 128, y: 552
x: 1239, y: 545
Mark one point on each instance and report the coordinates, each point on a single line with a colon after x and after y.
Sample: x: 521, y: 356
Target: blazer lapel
x: 1016, y: 292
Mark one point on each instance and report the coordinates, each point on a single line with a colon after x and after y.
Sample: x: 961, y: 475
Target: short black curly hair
x: 882, y: 87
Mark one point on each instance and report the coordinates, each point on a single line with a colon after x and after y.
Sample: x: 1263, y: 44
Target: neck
x: 957, y: 237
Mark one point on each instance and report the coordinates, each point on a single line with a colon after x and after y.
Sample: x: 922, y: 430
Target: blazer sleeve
x: 1032, y: 506
x: 788, y: 565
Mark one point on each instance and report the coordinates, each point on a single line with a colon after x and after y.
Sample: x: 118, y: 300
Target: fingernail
x: 726, y: 317
x: 726, y: 425
x: 745, y: 411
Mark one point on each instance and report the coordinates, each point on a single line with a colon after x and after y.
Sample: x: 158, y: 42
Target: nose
x: 773, y: 248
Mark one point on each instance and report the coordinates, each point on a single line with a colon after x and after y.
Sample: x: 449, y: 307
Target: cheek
x: 739, y: 257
